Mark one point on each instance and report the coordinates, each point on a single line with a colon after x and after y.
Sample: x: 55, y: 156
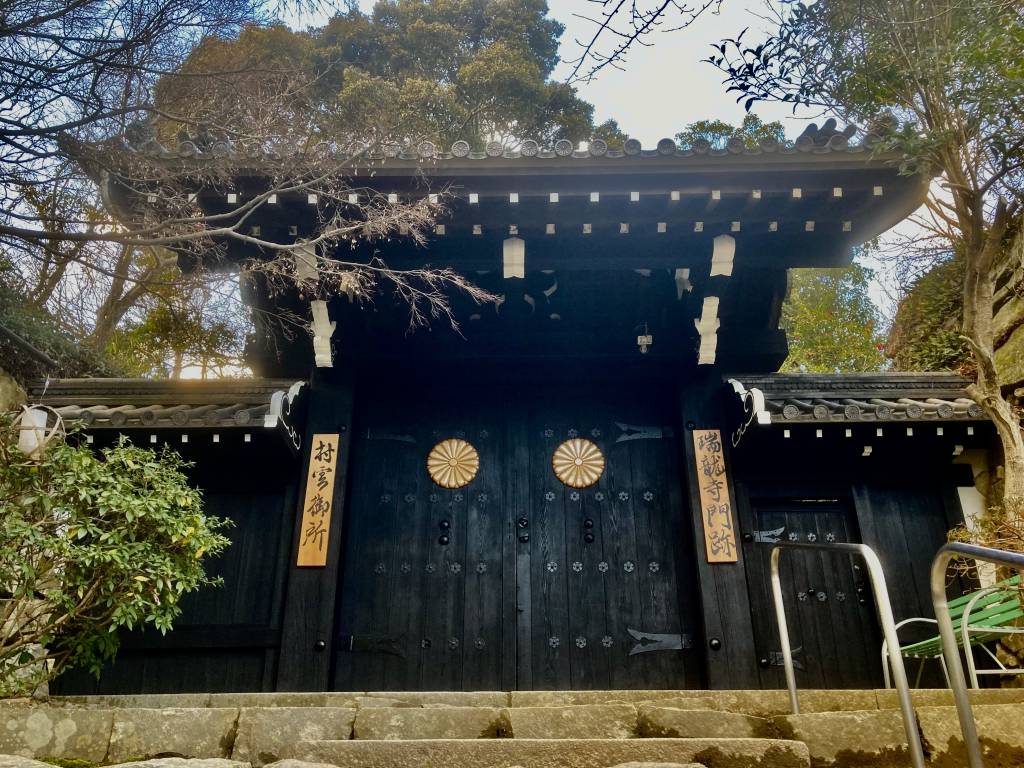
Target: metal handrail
x: 947, y: 634
x: 885, y: 616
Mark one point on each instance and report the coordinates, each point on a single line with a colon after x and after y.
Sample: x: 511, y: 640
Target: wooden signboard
x: 316, y: 508
x: 716, y: 507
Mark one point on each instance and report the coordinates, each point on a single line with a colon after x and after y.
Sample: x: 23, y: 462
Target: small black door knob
x: 748, y: 537
x: 589, y: 538
x: 444, y: 525
x: 443, y: 540
x: 715, y: 644
x: 588, y: 523
x: 522, y: 522
x: 319, y: 645
x: 524, y: 538
x: 764, y: 663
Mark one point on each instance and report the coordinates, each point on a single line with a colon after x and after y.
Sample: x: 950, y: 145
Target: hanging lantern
x: 33, y: 434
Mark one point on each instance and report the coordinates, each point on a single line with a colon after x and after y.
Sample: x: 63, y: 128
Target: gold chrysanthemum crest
x: 578, y: 463
x: 453, y: 463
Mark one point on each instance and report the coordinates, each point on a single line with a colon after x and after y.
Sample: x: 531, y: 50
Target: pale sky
x: 665, y: 85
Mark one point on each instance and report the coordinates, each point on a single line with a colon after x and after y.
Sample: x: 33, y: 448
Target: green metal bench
x: 978, y: 619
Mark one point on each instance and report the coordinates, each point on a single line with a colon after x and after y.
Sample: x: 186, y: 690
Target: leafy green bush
x: 926, y: 333
x: 90, y: 543
x: 45, y: 333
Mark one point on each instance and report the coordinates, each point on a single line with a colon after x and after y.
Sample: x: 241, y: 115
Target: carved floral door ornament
x: 453, y: 463
x: 578, y: 463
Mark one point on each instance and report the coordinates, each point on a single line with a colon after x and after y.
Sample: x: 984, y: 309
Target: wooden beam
x: 307, y: 626
x: 731, y: 658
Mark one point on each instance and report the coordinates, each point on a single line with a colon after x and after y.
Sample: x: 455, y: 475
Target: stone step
x: 760, y: 703
x: 557, y: 753
x: 586, y: 721
x: 660, y: 722
x: 270, y: 727
x: 877, y: 738
x: 393, y: 723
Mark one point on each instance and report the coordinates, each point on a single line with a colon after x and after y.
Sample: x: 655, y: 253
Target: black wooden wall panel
x: 905, y: 525
x: 226, y: 637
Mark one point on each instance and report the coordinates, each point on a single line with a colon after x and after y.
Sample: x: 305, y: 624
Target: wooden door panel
x: 538, y: 585
x: 831, y: 620
x: 621, y: 539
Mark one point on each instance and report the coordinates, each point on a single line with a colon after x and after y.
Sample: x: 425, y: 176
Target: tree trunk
x: 124, y: 294
x: 979, y: 287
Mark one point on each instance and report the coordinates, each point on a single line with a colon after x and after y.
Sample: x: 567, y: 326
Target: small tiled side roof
x: 145, y: 403
x: 880, y: 397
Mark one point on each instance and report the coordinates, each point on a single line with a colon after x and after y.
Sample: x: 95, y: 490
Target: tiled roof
x: 143, y: 403
x: 824, y: 140
x: 845, y: 398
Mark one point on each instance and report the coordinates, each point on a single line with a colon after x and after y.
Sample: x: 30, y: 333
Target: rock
x: 38, y: 731
x: 687, y: 702
x: 868, y: 738
x: 586, y: 721
x: 291, y: 763
x: 284, y: 699
x: 172, y: 731
x: 270, y: 735
x: 379, y: 702
x: 555, y: 753
x: 1000, y: 730
x: 16, y: 761
x: 493, y: 699
x: 182, y: 762
x: 431, y: 723
x: 665, y: 722
x: 567, y: 698
x: 135, y: 701
x: 776, y: 702
x: 943, y: 697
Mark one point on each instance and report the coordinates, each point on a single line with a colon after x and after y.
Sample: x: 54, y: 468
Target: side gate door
x: 829, y: 610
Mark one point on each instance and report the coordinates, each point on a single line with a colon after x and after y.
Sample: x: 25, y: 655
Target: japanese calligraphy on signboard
x: 716, y: 506
x: 316, y: 509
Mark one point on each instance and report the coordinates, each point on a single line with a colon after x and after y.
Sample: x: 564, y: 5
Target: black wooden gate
x: 831, y: 615
x: 516, y: 580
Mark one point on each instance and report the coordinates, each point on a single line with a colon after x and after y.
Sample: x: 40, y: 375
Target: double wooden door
x: 829, y: 609
x: 515, y: 581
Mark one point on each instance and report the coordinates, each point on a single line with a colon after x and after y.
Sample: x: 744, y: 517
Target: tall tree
x: 79, y: 103
x: 753, y: 130
x: 939, y: 84
x: 439, y: 69
x: 831, y: 322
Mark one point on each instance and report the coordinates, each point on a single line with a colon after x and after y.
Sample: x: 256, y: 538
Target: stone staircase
x: 531, y: 729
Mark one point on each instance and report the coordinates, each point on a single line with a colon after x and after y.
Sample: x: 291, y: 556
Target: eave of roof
x: 179, y: 404
x: 857, y: 397
x: 816, y: 149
